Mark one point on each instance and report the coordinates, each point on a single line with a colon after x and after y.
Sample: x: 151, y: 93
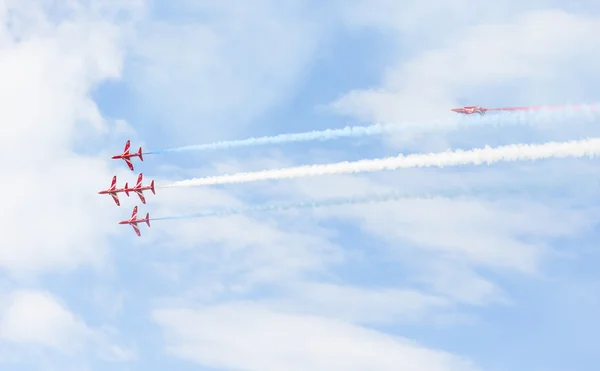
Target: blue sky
x: 502, y: 278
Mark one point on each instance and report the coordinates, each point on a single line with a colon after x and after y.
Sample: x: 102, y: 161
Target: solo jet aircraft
x: 126, y: 156
x: 133, y: 221
x: 469, y: 110
x: 113, y: 190
x: 139, y: 189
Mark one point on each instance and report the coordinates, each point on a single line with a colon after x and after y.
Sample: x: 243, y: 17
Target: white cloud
x: 264, y: 340
x: 245, y: 251
x: 536, y: 51
x: 451, y: 244
x: 356, y: 304
x: 508, y: 232
x: 37, y: 317
x: 52, y: 217
x: 31, y: 319
x: 223, y: 66
x: 459, y: 282
x: 239, y: 252
x: 409, y: 16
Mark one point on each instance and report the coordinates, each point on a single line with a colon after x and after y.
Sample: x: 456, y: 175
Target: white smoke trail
x: 486, y: 155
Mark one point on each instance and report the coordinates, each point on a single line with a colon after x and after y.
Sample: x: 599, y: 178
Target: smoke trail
x: 392, y: 196
x: 542, y: 190
x: 322, y: 135
x: 488, y: 155
x: 494, y: 119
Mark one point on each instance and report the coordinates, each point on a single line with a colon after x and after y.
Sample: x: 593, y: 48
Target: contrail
x: 536, y: 114
x: 479, y: 156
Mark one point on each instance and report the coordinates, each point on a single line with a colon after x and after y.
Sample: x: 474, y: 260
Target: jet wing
x: 142, y: 198
x: 136, y: 229
x: 128, y: 162
x: 116, y: 198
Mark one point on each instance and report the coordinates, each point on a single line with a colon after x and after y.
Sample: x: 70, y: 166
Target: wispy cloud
x: 268, y: 340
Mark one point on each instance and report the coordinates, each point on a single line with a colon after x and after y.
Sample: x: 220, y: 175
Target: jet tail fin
x: 152, y: 187
x: 125, y: 188
x: 140, y: 154
x: 148, y: 219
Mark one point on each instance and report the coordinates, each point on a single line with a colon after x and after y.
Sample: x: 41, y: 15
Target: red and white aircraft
x: 469, y: 110
x: 126, y: 156
x: 133, y: 221
x: 139, y: 189
x: 113, y: 190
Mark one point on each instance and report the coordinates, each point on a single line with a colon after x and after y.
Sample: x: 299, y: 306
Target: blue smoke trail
x: 532, y: 191
x: 298, y: 205
x: 322, y: 135
x: 490, y: 119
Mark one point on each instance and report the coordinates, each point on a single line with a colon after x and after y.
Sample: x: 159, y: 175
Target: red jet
x: 126, y: 156
x: 113, y: 190
x: 133, y: 221
x: 469, y: 110
x: 139, y: 189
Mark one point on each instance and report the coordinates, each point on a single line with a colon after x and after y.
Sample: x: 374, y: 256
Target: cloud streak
x: 265, y: 339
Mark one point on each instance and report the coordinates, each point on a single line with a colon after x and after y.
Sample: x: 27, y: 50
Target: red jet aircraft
x: 139, y: 189
x: 133, y: 221
x: 113, y: 190
x: 469, y: 110
x: 126, y: 156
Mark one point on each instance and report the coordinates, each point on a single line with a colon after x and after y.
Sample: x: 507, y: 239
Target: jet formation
x: 138, y: 189
x: 133, y: 221
x: 126, y: 155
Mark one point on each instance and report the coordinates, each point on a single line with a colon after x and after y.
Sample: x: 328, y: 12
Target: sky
x: 501, y: 277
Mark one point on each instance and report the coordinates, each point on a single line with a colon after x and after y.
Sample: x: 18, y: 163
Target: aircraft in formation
x: 126, y: 155
x: 138, y: 189
x: 133, y: 221
x: 112, y: 190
